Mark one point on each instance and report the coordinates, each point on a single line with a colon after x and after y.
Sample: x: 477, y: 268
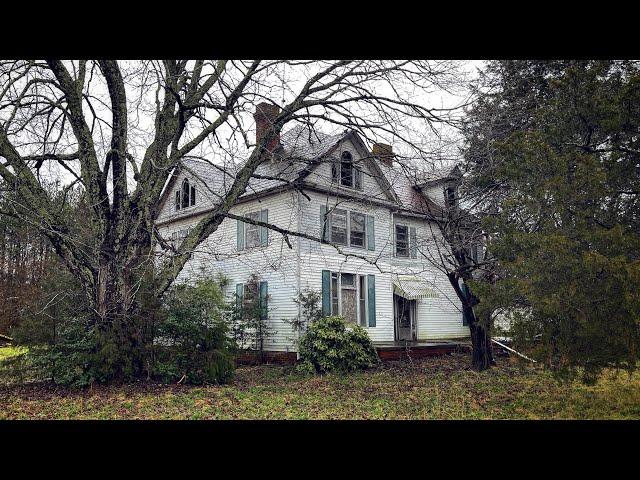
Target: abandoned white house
x: 372, y: 264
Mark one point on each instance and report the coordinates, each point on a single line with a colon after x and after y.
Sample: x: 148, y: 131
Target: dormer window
x: 345, y: 173
x: 450, y: 196
x: 186, y: 195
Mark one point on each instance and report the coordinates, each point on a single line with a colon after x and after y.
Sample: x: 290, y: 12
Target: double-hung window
x: 249, y: 234
x: 349, y: 295
x: 402, y: 241
x: 344, y: 227
x: 339, y: 226
x: 357, y: 230
x: 406, y: 244
x: 345, y: 173
x: 252, y: 231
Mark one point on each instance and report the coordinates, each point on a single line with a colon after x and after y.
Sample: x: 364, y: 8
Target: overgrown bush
x: 328, y: 345
x: 192, y: 341
x: 182, y: 337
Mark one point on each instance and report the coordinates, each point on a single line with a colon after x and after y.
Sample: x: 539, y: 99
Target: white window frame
x: 179, y: 193
x: 356, y: 172
x: 361, y: 317
x: 348, y: 214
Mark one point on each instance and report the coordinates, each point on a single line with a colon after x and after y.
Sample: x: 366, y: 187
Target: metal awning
x: 412, y: 288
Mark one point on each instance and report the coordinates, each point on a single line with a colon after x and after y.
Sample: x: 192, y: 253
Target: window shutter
x: 239, y: 292
x: 371, y: 234
x: 263, y: 301
x: 325, y: 224
x: 412, y: 242
x: 371, y: 307
x: 326, y: 293
x: 264, y: 231
x: 240, y: 234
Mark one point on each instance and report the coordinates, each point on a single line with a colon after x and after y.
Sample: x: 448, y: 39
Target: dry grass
x: 435, y: 388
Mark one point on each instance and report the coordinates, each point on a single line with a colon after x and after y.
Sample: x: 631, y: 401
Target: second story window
x: 346, y: 173
x: 250, y: 235
x: 339, y: 226
x: 185, y: 196
x: 357, y: 230
x: 252, y: 231
x: 402, y: 241
x: 345, y: 227
x: 406, y: 241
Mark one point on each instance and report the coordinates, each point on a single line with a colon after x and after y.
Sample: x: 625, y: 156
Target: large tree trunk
x: 481, y: 353
x: 481, y: 350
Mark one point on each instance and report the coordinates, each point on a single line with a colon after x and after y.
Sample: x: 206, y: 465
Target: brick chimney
x: 384, y: 152
x: 264, y: 117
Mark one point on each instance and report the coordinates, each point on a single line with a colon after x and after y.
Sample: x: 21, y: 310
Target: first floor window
x: 402, y: 241
x: 347, y: 296
x: 250, y: 293
x: 362, y: 300
x: 335, y: 305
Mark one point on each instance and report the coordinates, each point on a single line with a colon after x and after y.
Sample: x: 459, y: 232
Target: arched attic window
x: 186, y: 195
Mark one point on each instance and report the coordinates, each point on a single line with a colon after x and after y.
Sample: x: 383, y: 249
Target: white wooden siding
x: 288, y: 270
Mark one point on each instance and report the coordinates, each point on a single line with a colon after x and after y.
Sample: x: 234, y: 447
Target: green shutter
x: 240, y: 234
x: 264, y: 231
x: 326, y: 293
x: 371, y: 234
x: 371, y: 307
x: 413, y: 247
x: 239, y: 291
x: 263, y: 301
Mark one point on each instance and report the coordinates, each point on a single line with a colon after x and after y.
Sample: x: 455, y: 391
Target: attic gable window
x: 450, y: 196
x: 346, y: 173
x: 185, y: 196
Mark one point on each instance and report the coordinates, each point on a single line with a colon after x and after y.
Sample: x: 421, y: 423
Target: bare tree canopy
x: 118, y: 130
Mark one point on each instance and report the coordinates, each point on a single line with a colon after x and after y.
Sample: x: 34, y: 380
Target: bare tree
x: 120, y: 129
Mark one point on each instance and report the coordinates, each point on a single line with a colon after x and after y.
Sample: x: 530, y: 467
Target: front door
x: 403, y: 313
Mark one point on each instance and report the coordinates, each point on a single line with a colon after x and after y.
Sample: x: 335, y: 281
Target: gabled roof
x: 304, y: 149
x: 438, y: 175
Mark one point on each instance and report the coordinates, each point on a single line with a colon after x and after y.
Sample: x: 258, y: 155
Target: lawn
x: 433, y: 388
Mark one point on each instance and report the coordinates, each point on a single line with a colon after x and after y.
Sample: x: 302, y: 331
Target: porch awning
x: 412, y: 288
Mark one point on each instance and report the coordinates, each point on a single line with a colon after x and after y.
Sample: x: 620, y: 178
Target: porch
x: 404, y: 349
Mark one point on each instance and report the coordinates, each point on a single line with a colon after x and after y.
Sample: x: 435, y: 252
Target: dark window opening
x: 357, y: 230
x: 346, y: 170
x: 402, y: 241
x: 339, y: 226
x: 186, y: 196
x: 450, y: 196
